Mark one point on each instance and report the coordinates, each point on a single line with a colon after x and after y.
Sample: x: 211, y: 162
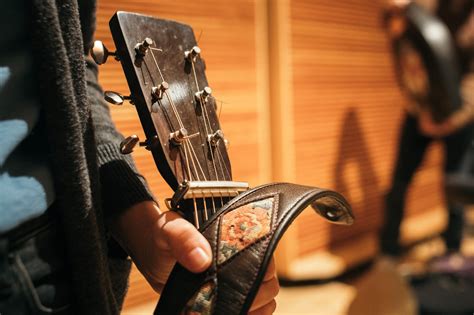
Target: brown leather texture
x: 236, y: 279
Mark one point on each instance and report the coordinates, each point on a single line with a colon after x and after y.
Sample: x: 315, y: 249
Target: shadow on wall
x: 356, y: 179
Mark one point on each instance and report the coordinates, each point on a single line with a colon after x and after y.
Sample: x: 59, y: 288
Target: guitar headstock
x: 165, y: 73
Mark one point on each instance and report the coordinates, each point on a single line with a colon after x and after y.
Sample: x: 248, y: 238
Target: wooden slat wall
x: 347, y: 111
x: 337, y: 127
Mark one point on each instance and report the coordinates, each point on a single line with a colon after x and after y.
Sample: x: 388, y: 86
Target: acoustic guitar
x: 165, y: 72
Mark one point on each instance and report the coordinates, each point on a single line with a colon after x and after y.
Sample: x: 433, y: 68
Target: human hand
x: 264, y: 302
x: 156, y: 240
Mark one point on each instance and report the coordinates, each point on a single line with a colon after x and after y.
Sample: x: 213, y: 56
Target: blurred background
x: 307, y: 93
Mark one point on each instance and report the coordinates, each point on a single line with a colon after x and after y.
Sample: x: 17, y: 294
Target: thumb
x: 184, y: 241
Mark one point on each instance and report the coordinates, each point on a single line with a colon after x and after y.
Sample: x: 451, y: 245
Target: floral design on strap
x: 202, y: 302
x: 244, y: 226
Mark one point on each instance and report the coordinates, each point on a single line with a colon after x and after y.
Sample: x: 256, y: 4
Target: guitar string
x: 181, y: 149
x: 213, y: 203
x: 190, y: 148
x: 219, y: 154
x: 187, y: 140
x: 206, y: 117
x: 205, y: 208
x: 201, y: 101
x: 178, y: 117
x: 188, y: 167
x: 189, y: 175
x: 166, y: 93
x: 180, y: 123
x: 196, y: 218
x: 221, y: 160
x: 204, y: 112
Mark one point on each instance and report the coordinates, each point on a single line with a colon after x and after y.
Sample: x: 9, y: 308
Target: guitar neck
x: 200, y: 210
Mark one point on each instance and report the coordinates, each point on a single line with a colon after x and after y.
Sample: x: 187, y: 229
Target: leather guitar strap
x: 243, y: 236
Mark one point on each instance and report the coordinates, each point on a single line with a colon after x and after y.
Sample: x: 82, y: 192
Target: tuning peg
x: 203, y: 94
x: 116, y: 98
x: 100, y: 53
x: 141, y: 48
x: 158, y: 91
x: 215, y: 137
x: 128, y: 144
x: 193, y: 53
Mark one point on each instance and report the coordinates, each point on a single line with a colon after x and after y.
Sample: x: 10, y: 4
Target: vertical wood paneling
x: 347, y: 111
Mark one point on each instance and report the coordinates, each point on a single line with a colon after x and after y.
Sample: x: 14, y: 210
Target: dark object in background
x: 444, y: 294
x: 460, y: 185
x: 426, y: 60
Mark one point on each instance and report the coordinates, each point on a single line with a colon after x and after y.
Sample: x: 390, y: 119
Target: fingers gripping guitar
x: 169, y: 89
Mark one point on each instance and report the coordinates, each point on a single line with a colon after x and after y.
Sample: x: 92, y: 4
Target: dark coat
x: 93, y: 181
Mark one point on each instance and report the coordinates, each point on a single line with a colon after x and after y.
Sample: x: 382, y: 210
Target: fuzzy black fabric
x: 93, y: 181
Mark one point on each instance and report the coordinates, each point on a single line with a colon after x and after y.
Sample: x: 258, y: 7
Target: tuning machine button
x: 192, y: 54
x: 128, y: 144
x: 100, y: 53
x: 116, y: 98
x: 203, y: 94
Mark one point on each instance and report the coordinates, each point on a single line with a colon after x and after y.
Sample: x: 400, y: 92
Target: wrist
x: 133, y: 228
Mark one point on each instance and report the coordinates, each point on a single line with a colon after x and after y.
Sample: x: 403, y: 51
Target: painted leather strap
x: 243, y: 236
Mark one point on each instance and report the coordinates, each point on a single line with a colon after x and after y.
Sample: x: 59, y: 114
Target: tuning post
x: 214, y: 138
x: 157, y: 92
x: 192, y: 54
x: 142, y: 48
x: 203, y: 94
x: 100, y: 53
x: 180, y: 135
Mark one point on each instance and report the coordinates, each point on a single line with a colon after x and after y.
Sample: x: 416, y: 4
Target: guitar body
x: 169, y: 88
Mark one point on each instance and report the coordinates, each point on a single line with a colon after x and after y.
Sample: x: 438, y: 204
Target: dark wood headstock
x: 164, y: 70
x: 165, y: 73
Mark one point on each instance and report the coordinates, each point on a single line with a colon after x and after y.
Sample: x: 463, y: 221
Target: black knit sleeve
x: 121, y: 185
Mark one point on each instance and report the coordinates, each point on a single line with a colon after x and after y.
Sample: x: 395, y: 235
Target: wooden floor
x: 379, y: 290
